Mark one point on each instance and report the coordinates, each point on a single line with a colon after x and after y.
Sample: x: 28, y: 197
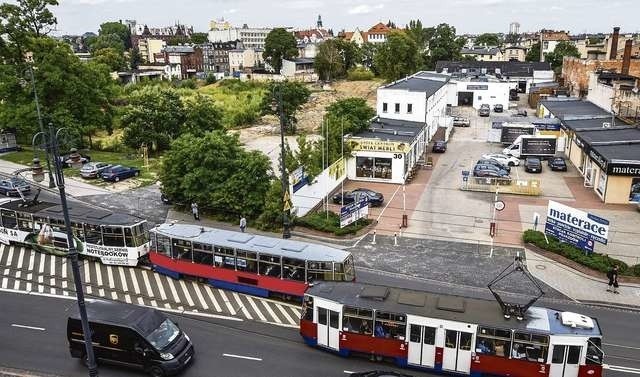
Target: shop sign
x: 354, y: 211
x: 298, y: 179
x: 336, y: 170
x: 617, y: 168
x: 477, y: 87
x: 598, y: 159
x: 575, y: 227
x: 375, y: 145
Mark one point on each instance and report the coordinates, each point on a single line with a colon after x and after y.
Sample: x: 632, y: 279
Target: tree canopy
x: 294, y: 94
x: 562, y: 49
x: 329, y: 63
x: 533, y: 55
x: 19, y: 23
x: 118, y: 29
x: 443, y: 45
x: 488, y: 39
x: 397, y: 57
x: 279, y: 44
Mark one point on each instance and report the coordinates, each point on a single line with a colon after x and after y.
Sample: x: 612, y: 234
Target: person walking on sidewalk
x: 613, y: 279
x: 194, y: 210
x: 243, y: 224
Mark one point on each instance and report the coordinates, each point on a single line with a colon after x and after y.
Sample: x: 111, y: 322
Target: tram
x: 254, y: 264
x: 449, y: 334
x: 112, y: 238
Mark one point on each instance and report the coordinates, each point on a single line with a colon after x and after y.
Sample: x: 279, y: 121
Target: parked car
x: 498, y: 108
x: 439, y: 146
x: 513, y: 95
x: 495, y: 163
x: 93, y: 169
x: 482, y: 167
x: 486, y: 176
x: 503, y: 159
x: 533, y: 165
x: 484, y: 110
x: 375, y: 198
x: 558, y: 163
x: 520, y: 113
x: 118, y: 172
x: 10, y: 186
x: 461, y: 122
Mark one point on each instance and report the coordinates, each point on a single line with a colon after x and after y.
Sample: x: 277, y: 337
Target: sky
x: 468, y: 16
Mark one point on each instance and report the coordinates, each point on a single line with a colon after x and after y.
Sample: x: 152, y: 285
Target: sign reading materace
x: 575, y: 227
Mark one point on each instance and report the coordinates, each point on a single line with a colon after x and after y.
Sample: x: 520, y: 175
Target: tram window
x: 414, y: 334
x: 270, y: 265
x: 25, y: 225
x: 112, y: 236
x: 557, y: 357
x: 92, y: 234
x: 532, y: 347
x: 163, y: 245
x: 334, y: 319
x: 348, y: 269
x: 293, y: 269
x: 357, y: 320
x: 451, y: 339
x: 322, y: 316
x: 594, y: 351
x: 320, y: 270
x: 9, y: 219
x: 307, y: 308
x: 573, y: 356
x: 247, y: 261
x: 183, y: 249
x: 128, y: 237
x: 140, y: 234
x: 202, y: 257
x: 429, y: 335
x: 224, y: 257
x: 465, y: 341
x: 492, y: 341
x: 77, y: 230
x: 390, y: 325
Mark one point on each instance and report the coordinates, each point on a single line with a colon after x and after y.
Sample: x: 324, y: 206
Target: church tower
x: 319, y: 23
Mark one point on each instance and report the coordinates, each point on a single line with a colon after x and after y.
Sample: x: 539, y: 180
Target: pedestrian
x: 194, y: 210
x: 613, y: 279
x: 243, y: 224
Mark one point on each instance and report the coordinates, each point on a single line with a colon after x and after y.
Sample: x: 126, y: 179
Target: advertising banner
x: 354, y: 211
x: 575, y: 227
x: 376, y: 145
x: 298, y: 178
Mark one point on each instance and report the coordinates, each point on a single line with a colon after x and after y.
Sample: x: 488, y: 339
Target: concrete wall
x: 403, y: 97
x: 618, y: 188
x: 309, y: 196
x: 496, y: 93
x: 600, y: 94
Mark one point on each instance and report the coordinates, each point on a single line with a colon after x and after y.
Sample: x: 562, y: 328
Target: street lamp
x: 52, y: 183
x: 276, y: 105
x: 38, y: 176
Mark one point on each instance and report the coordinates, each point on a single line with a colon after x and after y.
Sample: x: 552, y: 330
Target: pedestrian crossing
x: 24, y: 269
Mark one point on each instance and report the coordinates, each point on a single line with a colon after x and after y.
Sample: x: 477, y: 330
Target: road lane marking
x: 110, y: 280
x: 242, y: 357
x: 163, y: 295
x: 174, y: 292
x: 99, y: 279
x: 203, y: 303
x: 134, y: 280
x: 227, y: 302
x: 28, y: 327
x: 41, y: 265
x: 348, y: 372
x: 213, y: 298
x: 388, y: 202
x: 242, y: 307
x: 145, y: 279
x: 125, y: 287
x: 621, y: 346
x: 52, y: 272
x: 255, y: 308
x: 64, y: 277
x: 16, y: 284
x: 271, y: 313
x: 185, y: 290
x: 5, y: 279
x: 285, y: 314
x: 622, y: 369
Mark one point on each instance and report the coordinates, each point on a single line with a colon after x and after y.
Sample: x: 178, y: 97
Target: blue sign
x: 354, y: 211
x: 575, y: 227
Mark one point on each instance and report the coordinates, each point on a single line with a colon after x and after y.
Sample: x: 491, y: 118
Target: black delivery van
x: 132, y: 336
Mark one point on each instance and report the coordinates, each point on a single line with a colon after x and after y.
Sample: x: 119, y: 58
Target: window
x: 348, y: 269
x: 202, y: 254
x: 634, y: 193
x: 25, y: 222
x: 322, y: 316
x: 384, y: 107
x: 492, y: 341
x: 573, y: 356
x: 397, y: 108
x: 293, y: 269
x: 9, y: 219
x: 531, y: 347
x: 307, y: 309
x: 451, y: 339
x: 558, y: 354
x: 465, y: 341
x: 390, y: 325
x: 182, y: 249
x: 334, y: 319
x: 224, y: 257
x: 320, y: 270
x: 594, y: 351
x: 357, y: 320
x: 409, y: 108
x: 247, y: 261
x: 602, y: 182
x: 429, y: 335
x: 112, y: 236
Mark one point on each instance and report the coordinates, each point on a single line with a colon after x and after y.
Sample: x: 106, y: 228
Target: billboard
x: 538, y: 146
x: 575, y: 227
x: 509, y: 134
x: 354, y: 211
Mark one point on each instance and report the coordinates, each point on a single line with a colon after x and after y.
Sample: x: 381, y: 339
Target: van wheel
x: 156, y: 371
x: 511, y: 163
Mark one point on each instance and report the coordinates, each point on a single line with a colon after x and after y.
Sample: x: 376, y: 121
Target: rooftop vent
x: 576, y: 320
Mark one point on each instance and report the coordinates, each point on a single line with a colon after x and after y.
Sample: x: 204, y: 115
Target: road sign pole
x: 493, y: 222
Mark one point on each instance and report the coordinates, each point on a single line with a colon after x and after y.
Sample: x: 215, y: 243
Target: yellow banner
x: 336, y: 170
x: 378, y: 146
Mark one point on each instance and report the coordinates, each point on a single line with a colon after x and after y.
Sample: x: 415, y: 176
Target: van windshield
x: 163, y: 335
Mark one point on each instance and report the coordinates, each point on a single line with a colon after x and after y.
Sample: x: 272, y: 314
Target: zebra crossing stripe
x: 41, y: 266
x: 140, y: 301
x: 52, y: 271
x: 114, y: 295
x: 134, y: 280
x: 212, y: 296
x: 255, y: 309
x: 227, y: 302
x: 163, y: 295
x: 32, y: 257
x: 99, y: 279
x: 87, y: 273
x: 203, y: 303
x: 125, y: 287
x: 145, y: 278
x: 242, y: 307
x: 174, y: 292
x: 285, y: 314
x: 185, y: 290
x: 16, y: 283
x: 271, y: 313
x: 5, y: 279
x: 64, y: 276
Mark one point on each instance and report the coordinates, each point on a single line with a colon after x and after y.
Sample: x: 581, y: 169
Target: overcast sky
x: 468, y: 16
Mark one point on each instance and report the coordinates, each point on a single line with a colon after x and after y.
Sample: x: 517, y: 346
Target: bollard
x: 400, y: 231
x: 395, y: 239
x: 373, y: 242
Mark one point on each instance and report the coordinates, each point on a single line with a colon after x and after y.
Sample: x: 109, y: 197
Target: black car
x: 375, y: 198
x: 498, y: 108
x: 483, y: 167
x: 118, y: 172
x: 11, y: 186
x: 494, y: 163
x: 558, y: 163
x: 439, y: 147
x: 486, y: 176
x: 533, y: 165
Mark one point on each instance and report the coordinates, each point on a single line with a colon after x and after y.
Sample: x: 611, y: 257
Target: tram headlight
x: 166, y: 356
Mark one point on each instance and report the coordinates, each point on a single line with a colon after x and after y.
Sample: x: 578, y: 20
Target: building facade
x: 250, y: 37
x: 514, y: 54
x: 484, y: 54
x: 216, y: 56
x: 183, y: 62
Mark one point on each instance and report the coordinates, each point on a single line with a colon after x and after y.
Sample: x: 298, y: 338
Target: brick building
x: 183, y: 62
x: 576, y: 72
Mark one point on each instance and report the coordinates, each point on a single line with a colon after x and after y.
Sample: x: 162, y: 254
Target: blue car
x: 118, y: 172
x: 11, y: 186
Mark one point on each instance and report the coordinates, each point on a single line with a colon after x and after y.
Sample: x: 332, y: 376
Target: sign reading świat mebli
x: 375, y: 145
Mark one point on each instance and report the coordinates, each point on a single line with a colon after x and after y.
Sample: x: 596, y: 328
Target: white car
x: 503, y: 159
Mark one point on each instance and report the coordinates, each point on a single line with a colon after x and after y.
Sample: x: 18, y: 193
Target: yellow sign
x: 287, y: 201
x: 113, y: 339
x: 336, y: 170
x: 378, y: 146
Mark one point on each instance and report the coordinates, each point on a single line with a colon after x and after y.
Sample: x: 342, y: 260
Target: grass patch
x: 595, y: 261
x: 240, y: 100
x: 330, y: 223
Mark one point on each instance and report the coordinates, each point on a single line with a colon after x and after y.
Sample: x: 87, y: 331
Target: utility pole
x: 52, y: 184
x: 286, y: 210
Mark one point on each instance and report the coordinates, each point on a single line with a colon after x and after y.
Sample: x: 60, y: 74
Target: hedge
x: 331, y: 223
x: 595, y: 261
x: 359, y: 74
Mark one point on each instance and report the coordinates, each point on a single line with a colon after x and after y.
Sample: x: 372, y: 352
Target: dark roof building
x: 425, y: 82
x: 502, y: 68
x: 391, y: 130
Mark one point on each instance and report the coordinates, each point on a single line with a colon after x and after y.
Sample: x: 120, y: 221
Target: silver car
x: 93, y: 169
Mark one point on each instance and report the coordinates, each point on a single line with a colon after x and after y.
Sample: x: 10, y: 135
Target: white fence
x: 310, y: 195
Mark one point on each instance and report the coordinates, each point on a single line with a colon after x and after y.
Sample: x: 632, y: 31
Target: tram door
x: 565, y: 360
x: 422, y: 345
x: 456, y: 355
x: 328, y: 318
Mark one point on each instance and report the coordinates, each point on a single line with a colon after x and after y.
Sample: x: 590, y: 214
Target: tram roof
x: 453, y: 308
x: 253, y: 242
x: 78, y: 212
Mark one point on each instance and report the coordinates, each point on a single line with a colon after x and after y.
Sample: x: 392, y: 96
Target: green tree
x: 120, y: 30
x: 110, y: 57
x: 201, y: 115
x: 354, y: 111
x: 105, y: 41
x: 488, y: 39
x: 367, y: 56
x: 351, y: 53
x: 154, y: 116
x: 279, y: 44
x: 533, y: 55
x: 214, y: 171
x: 417, y: 33
x: 562, y: 49
x: 329, y: 63
x: 199, y: 38
x: 20, y: 21
x: 397, y: 57
x: 272, y: 214
x: 443, y: 45
x: 294, y: 94
x: 135, y: 58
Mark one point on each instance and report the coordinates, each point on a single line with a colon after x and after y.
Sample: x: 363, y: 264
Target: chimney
x: 626, y: 58
x: 614, y: 43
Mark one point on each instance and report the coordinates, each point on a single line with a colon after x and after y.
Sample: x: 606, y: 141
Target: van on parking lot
x: 131, y: 336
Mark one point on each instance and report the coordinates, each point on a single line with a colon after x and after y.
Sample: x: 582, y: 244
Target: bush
x: 359, y: 74
x: 331, y: 223
x: 595, y: 261
x: 211, y: 79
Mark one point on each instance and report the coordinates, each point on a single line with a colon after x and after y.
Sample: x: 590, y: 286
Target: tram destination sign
x: 573, y: 226
x: 354, y: 211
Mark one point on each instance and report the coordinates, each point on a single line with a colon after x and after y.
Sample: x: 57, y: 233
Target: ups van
x: 131, y: 336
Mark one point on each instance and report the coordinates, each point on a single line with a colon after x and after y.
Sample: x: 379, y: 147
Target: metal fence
x: 503, y: 185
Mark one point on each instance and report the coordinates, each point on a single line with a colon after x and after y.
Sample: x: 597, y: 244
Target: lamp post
x: 38, y: 176
x: 277, y: 105
x: 52, y: 183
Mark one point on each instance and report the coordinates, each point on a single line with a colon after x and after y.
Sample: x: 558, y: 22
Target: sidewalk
x: 578, y: 286
x: 73, y: 187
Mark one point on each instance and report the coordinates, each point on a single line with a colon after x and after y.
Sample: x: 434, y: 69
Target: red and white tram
x: 244, y: 262
x: 449, y: 333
